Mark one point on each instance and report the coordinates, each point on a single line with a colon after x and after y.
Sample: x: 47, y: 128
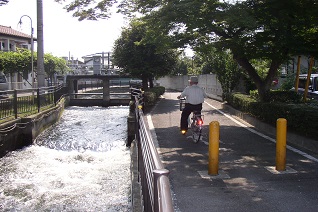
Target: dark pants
x: 186, y: 112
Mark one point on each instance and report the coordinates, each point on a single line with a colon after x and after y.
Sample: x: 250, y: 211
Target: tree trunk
x: 144, y: 82
x: 263, y: 86
x: 150, y: 82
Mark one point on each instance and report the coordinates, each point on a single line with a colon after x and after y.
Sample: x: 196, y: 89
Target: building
x: 291, y: 66
x: 10, y: 40
x: 77, y: 67
x: 100, y: 63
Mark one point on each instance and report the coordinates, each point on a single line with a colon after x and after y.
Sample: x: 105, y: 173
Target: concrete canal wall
x: 21, y: 132
x: 208, y: 82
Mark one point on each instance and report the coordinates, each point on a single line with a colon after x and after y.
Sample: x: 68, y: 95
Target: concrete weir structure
x: 108, y: 98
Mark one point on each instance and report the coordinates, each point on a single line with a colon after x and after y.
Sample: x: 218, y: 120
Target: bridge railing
x: 153, y: 177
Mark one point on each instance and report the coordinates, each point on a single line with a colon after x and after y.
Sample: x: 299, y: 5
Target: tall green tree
x: 223, y: 65
x: 181, y: 66
x: 3, y: 2
x: 89, y: 9
x: 20, y: 62
x: 270, y: 30
x: 140, y: 58
x: 54, y: 65
x: 15, y: 62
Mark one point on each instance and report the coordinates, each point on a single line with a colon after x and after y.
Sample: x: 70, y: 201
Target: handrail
x: 153, y: 176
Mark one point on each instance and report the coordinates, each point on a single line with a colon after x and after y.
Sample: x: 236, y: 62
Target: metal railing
x: 153, y: 177
x: 17, y: 102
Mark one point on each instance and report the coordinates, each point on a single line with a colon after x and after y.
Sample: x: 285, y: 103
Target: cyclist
x: 194, y: 98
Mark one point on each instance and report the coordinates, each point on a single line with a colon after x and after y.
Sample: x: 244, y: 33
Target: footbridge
x: 98, y: 90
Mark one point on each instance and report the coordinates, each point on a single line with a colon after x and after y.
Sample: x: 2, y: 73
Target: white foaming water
x: 81, y: 164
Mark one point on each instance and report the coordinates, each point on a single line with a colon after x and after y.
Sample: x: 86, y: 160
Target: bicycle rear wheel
x: 196, y: 133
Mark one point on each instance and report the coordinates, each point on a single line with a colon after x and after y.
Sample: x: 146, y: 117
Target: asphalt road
x: 247, y: 179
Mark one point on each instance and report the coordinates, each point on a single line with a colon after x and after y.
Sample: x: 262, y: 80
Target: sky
x: 64, y: 35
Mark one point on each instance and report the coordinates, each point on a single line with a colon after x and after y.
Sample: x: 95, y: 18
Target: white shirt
x: 194, y: 94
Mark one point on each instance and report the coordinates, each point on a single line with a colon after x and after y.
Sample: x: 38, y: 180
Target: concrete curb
x: 136, y: 201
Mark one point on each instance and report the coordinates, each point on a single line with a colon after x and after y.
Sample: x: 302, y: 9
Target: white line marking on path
x: 152, y: 130
x: 264, y: 136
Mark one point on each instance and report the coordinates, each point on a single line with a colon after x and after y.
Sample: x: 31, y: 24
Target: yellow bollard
x: 214, y: 137
x: 281, y: 137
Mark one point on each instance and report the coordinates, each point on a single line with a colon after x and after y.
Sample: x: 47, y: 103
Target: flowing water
x: 80, y: 164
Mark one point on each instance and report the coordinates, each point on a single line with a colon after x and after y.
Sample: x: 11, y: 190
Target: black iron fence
x: 153, y: 177
x: 23, y: 102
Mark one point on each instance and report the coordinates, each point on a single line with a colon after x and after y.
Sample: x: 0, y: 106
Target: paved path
x: 247, y: 179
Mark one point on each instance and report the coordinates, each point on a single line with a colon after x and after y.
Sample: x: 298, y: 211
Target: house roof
x: 4, y: 30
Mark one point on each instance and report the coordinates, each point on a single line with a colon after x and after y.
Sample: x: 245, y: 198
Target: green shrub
x: 289, y: 82
x: 152, y: 94
x: 150, y: 98
x: 301, y: 117
x: 240, y: 101
x: 285, y: 96
x: 279, y: 96
x: 157, y: 90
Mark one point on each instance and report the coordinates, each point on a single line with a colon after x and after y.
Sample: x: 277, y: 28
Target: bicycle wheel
x: 196, y: 133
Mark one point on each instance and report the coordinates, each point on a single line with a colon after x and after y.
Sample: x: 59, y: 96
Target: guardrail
x: 28, y: 101
x: 153, y: 177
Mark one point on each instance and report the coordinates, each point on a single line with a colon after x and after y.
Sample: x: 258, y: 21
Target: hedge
x: 152, y: 94
x: 302, y: 118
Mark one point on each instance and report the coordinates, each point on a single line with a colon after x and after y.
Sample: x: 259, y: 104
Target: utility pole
x: 40, y: 52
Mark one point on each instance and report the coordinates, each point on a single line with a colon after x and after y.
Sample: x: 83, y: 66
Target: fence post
x: 156, y: 175
x: 131, y: 125
x: 55, y: 90
x: 15, y: 103
x: 38, y: 99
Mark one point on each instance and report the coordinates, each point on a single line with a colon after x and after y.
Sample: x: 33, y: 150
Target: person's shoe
x: 183, y: 132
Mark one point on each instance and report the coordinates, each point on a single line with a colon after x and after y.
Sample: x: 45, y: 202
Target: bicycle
x: 195, y: 122
x: 196, y: 126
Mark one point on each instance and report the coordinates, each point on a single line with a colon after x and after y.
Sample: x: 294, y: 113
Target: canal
x: 80, y: 164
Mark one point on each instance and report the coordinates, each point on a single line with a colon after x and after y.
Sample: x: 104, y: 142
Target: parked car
x: 312, y: 88
x: 3, y: 86
x: 3, y: 82
x: 3, y: 95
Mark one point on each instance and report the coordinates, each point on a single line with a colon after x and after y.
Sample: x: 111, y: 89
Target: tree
x: 89, y: 9
x: 40, y: 51
x: 187, y: 65
x: 140, y: 58
x: 3, y: 2
x: 54, y: 65
x: 20, y: 62
x: 222, y: 64
x: 269, y: 30
x: 16, y: 62
x: 181, y: 67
